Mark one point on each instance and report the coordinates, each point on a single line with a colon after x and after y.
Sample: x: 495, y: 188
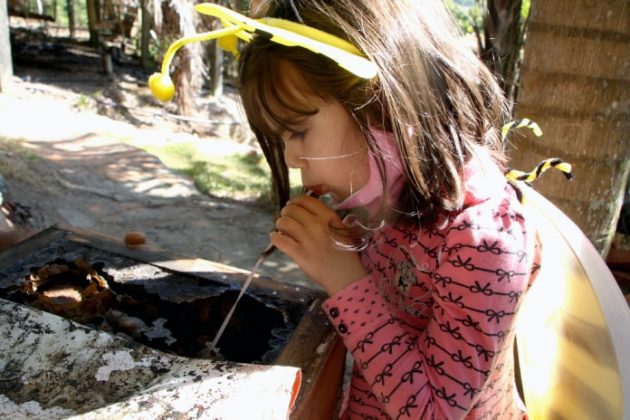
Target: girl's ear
x: 259, y: 8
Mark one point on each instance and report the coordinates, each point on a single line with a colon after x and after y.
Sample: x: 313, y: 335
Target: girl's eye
x: 297, y: 135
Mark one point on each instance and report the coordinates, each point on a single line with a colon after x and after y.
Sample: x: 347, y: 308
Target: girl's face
x: 329, y: 150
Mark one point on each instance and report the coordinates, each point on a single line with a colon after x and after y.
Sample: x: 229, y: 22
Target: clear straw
x: 251, y: 275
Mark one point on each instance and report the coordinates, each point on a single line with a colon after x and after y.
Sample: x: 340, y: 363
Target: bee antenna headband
x: 284, y: 32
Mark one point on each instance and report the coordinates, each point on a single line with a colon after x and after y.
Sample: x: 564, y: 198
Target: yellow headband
x: 283, y: 32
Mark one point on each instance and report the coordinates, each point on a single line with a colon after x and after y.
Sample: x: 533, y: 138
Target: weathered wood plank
x: 186, y: 264
x: 26, y: 247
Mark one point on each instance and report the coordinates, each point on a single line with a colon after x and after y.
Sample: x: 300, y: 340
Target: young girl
x: 425, y: 251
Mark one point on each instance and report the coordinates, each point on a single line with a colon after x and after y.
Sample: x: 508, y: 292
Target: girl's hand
x: 305, y: 236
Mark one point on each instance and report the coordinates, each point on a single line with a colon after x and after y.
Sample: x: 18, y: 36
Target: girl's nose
x: 292, y: 156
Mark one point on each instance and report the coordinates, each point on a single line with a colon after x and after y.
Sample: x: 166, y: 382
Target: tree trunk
x: 182, y: 77
x: 502, y: 42
x: 575, y: 83
x: 179, y: 19
x: 145, y: 33
x: 6, y: 63
x: 71, y: 18
x: 215, y: 54
x: 93, y: 12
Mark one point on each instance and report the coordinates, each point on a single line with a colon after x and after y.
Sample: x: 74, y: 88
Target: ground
x: 74, y: 163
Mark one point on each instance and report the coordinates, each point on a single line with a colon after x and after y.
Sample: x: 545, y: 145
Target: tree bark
x: 6, y: 63
x: 575, y: 83
x: 71, y: 18
x: 146, y: 23
x: 502, y: 42
x: 179, y: 19
x: 215, y: 54
x: 93, y: 12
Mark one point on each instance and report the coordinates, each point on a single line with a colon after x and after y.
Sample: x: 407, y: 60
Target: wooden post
x: 6, y: 64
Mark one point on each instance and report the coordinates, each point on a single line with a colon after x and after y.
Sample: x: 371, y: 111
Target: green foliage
x: 527, y: 5
x: 80, y: 13
x: 19, y: 162
x: 470, y: 13
x: 467, y: 14
x: 85, y: 102
x: 236, y: 176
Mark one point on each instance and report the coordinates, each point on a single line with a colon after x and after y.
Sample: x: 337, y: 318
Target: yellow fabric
x: 569, y: 360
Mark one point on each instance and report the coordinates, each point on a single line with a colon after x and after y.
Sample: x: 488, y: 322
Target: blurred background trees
x: 563, y: 63
x: 498, y: 28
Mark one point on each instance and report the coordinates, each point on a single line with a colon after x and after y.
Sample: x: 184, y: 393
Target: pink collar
x: 369, y: 195
x: 481, y: 177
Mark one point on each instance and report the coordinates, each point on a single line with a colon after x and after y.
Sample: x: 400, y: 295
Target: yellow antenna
x: 281, y: 31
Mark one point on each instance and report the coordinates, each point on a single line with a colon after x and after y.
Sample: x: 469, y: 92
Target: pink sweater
x: 431, y: 327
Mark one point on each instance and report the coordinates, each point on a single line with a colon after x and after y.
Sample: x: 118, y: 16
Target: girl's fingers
x: 311, y: 204
x: 307, y: 211
x: 283, y: 242
x: 290, y: 227
x: 303, y: 227
x: 288, y: 246
x: 313, y: 209
x: 297, y: 212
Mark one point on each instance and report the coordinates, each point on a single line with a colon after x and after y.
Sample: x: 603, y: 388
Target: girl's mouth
x: 314, y: 190
x: 327, y: 198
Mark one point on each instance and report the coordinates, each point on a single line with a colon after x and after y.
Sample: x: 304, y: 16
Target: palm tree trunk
x: 575, y: 83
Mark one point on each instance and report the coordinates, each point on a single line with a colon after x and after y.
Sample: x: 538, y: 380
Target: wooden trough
x: 131, y: 340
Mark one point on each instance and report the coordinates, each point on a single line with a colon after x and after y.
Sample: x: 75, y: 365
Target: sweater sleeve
x: 480, y: 274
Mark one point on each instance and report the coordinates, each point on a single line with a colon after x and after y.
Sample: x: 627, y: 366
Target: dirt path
x: 74, y: 168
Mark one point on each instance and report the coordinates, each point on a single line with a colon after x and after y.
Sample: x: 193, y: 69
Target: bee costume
x: 572, y: 328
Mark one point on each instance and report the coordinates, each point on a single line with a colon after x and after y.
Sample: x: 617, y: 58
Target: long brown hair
x: 439, y: 101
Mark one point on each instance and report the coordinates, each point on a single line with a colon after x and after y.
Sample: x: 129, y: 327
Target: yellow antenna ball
x: 162, y: 86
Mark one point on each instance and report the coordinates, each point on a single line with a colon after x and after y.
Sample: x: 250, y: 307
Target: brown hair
x: 439, y: 101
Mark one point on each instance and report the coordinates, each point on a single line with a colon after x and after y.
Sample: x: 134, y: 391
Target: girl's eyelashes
x: 298, y: 135
x: 294, y: 135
